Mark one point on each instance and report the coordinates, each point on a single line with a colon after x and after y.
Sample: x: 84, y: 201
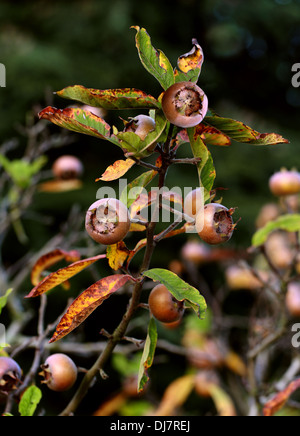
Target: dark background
x: 249, y: 46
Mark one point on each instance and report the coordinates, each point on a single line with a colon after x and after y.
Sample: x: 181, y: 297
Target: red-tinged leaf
x: 87, y: 302
x: 240, y: 132
x: 57, y: 186
x: 80, y: 121
x: 51, y: 259
x: 116, y: 255
x: 60, y: 276
x: 273, y: 406
x: 116, y: 170
x: 110, y: 99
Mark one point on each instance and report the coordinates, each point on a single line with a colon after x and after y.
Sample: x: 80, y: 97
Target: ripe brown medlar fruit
x: 196, y: 252
x: 218, y: 224
x: 185, y: 104
x: 293, y: 299
x: 279, y: 250
x: 141, y: 125
x: 285, y: 183
x: 164, y: 306
x: 194, y: 203
x: 59, y: 372
x: 10, y: 375
x: 67, y: 168
x: 107, y: 221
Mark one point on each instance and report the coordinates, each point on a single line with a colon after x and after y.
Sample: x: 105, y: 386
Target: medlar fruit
x: 218, y: 224
x: 163, y: 306
x: 107, y: 221
x: 59, y: 372
x: 285, y: 183
x: 185, y: 104
x: 10, y: 375
x: 141, y: 125
x: 67, y: 168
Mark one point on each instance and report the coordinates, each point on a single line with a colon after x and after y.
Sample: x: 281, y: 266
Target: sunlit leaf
x: 87, y: 302
x: 155, y: 61
x: 289, y: 223
x: 117, y: 255
x: 190, y: 64
x: 274, y: 405
x: 148, y: 355
x: 206, y: 169
x: 50, y: 259
x: 80, y: 121
x: 223, y: 402
x: 60, y: 276
x: 240, y: 132
x: 29, y: 401
x: 176, y: 395
x: 116, y: 170
x: 110, y: 99
x: 181, y: 290
x: 21, y: 171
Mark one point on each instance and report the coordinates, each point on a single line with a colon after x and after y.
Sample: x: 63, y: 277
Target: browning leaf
x: 117, y: 254
x: 87, y: 302
x: 176, y: 395
x: 280, y: 399
x: 60, y: 276
x: 51, y: 259
x: 56, y: 186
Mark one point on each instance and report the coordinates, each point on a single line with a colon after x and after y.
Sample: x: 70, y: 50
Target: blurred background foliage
x: 250, y: 47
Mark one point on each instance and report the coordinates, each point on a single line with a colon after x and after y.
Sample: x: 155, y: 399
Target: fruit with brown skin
x: 218, y: 224
x: 67, y: 168
x: 59, y: 372
x: 141, y: 125
x: 107, y: 221
x: 185, y: 104
x: 278, y: 248
x: 293, y: 299
x: 10, y: 375
x: 163, y: 306
x: 195, y: 252
x: 285, y: 183
x: 194, y: 203
x: 238, y: 278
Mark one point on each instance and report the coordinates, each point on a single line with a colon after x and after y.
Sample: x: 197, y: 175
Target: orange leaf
x: 56, y: 186
x: 117, y: 170
x: 50, y: 259
x: 281, y: 398
x: 60, y: 276
x: 117, y: 254
x: 176, y: 395
x: 87, y: 302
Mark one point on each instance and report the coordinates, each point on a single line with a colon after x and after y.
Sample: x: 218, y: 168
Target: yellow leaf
x: 117, y: 254
x: 192, y: 60
x: 117, y: 170
x: 176, y: 395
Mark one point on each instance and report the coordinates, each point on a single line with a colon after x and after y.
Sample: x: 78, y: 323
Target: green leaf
x: 80, y: 121
x: 110, y: 99
x: 181, y: 290
x: 136, y: 187
x: 206, y: 169
x: 3, y: 300
x: 126, y: 367
x: 155, y: 61
x: 148, y: 355
x: 133, y: 145
x: 240, y: 132
x: 21, y: 171
x: 289, y: 223
x: 30, y: 400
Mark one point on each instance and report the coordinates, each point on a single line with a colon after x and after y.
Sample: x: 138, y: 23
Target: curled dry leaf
x: 87, y: 302
x: 116, y: 170
x: 51, y: 259
x: 191, y: 60
x: 117, y: 254
x: 274, y: 405
x: 62, y: 275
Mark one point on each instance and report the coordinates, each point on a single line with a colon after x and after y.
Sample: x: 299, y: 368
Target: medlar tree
x: 180, y: 115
